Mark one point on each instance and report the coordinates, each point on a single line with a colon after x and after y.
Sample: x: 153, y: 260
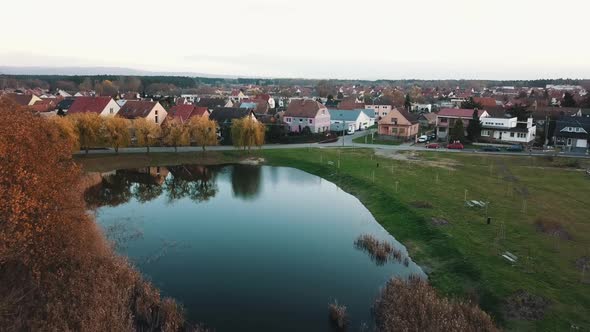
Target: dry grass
x: 413, y: 305
x: 338, y: 315
x: 380, y: 251
x: 422, y: 204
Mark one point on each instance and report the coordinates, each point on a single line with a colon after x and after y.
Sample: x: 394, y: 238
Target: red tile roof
x: 133, y: 109
x: 458, y: 112
x: 22, y: 100
x: 485, y: 101
x: 184, y: 112
x: 304, y: 108
x: 89, y: 105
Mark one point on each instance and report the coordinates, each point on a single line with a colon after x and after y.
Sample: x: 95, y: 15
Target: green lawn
x: 463, y: 258
x: 368, y: 139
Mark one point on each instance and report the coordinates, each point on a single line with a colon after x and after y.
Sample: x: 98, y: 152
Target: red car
x: 433, y: 146
x: 456, y: 145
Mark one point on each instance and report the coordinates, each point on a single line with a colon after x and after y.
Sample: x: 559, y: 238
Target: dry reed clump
x: 380, y: 251
x: 57, y: 270
x: 552, y: 228
x: 338, y: 315
x: 525, y: 306
x: 413, y: 305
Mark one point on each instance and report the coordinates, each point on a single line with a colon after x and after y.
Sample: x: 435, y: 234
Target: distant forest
x: 71, y: 83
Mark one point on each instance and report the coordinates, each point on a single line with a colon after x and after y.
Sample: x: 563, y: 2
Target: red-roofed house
x: 267, y: 98
x: 446, y: 118
x: 485, y: 102
x: 103, y: 106
x: 23, y: 99
x: 303, y: 113
x: 150, y: 110
x: 184, y: 112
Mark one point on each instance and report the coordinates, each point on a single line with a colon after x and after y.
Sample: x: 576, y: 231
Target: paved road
x: 345, y: 142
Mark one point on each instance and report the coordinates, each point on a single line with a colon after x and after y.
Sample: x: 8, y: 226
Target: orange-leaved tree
x: 68, y: 130
x: 116, y: 132
x: 147, y: 132
x: 175, y: 133
x: 89, y: 127
x: 57, y: 271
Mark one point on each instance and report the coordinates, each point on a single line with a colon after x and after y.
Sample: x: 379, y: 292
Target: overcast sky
x: 371, y: 39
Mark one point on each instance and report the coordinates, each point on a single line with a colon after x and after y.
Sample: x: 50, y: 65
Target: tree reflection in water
x: 245, y: 181
x: 193, y: 181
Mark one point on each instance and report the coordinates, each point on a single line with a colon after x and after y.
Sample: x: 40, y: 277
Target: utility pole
x: 546, y: 132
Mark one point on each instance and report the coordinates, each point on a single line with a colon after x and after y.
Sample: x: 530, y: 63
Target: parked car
x: 490, y: 148
x: 515, y: 148
x: 432, y: 137
x: 455, y: 146
x: 433, y: 146
x: 422, y: 139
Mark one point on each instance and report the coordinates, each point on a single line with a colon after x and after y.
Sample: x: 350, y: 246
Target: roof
x: 575, y: 122
x: 304, y: 108
x: 345, y: 115
x: 211, y: 102
x: 485, y: 101
x: 350, y: 104
x: 250, y: 104
x: 428, y: 116
x: 184, y: 112
x: 65, y: 104
x: 458, y: 112
x: 89, y: 105
x: 226, y: 114
x: 134, y: 109
x: 413, y: 118
x: 20, y: 99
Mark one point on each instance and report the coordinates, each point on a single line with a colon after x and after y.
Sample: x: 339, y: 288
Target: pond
x: 248, y: 248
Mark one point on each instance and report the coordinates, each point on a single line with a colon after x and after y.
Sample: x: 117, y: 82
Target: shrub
x: 413, y: 305
x: 338, y: 315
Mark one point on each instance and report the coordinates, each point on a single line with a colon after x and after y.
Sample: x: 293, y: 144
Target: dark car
x: 431, y: 137
x: 515, y: 148
x: 456, y: 146
x: 491, y: 148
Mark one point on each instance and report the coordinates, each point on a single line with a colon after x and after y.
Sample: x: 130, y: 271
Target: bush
x: 57, y: 271
x: 413, y: 305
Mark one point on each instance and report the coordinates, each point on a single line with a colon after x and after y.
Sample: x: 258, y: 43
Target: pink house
x: 303, y: 113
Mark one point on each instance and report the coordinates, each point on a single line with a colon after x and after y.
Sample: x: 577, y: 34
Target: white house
x: 359, y: 118
x: 508, y: 129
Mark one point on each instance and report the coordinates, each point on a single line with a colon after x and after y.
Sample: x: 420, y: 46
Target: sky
x: 371, y: 39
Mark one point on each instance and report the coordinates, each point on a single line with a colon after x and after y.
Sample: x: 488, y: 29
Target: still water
x: 247, y: 248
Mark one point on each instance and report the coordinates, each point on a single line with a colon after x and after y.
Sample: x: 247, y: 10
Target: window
x: 156, y: 119
x: 112, y: 110
x: 288, y: 120
x: 402, y: 130
x: 310, y: 121
x: 442, y: 130
x: 521, y: 135
x: 443, y: 120
x: 394, y: 121
x: 156, y: 112
x: 569, y: 141
x: 511, y: 134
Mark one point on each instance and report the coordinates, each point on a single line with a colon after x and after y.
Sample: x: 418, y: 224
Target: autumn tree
x: 51, y: 249
x: 106, y: 88
x: 175, y: 134
x: 116, y: 132
x: 471, y: 104
x: 408, y: 102
x: 202, y: 131
x: 146, y: 132
x: 89, y: 127
x: 67, y: 130
x: 86, y: 85
x: 247, y: 132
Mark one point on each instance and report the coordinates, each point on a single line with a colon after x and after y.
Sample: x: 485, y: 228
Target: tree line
x: 89, y: 130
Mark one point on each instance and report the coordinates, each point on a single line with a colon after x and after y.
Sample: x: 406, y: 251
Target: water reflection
x: 196, y: 182
x: 245, y: 181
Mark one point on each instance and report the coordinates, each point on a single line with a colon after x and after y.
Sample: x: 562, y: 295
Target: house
x: 260, y: 107
x: 185, y: 112
x: 427, y: 119
x: 303, y: 113
x: 508, y: 130
x: 357, y: 118
x: 266, y: 98
x: 380, y: 110
x: 22, y: 99
x: 237, y: 96
x: 149, y: 110
x: 446, y: 118
x: 399, y: 124
x: 103, y: 106
x: 350, y: 103
x: 212, y: 103
x: 421, y: 108
x: 572, y: 133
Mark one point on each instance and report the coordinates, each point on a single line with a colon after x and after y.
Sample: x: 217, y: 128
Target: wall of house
x: 319, y: 124
x: 380, y: 110
x: 508, y: 136
x: 158, y: 111
x: 111, y: 109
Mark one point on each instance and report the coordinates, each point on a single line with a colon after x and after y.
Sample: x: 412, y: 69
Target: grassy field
x: 369, y: 140
x: 463, y: 259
